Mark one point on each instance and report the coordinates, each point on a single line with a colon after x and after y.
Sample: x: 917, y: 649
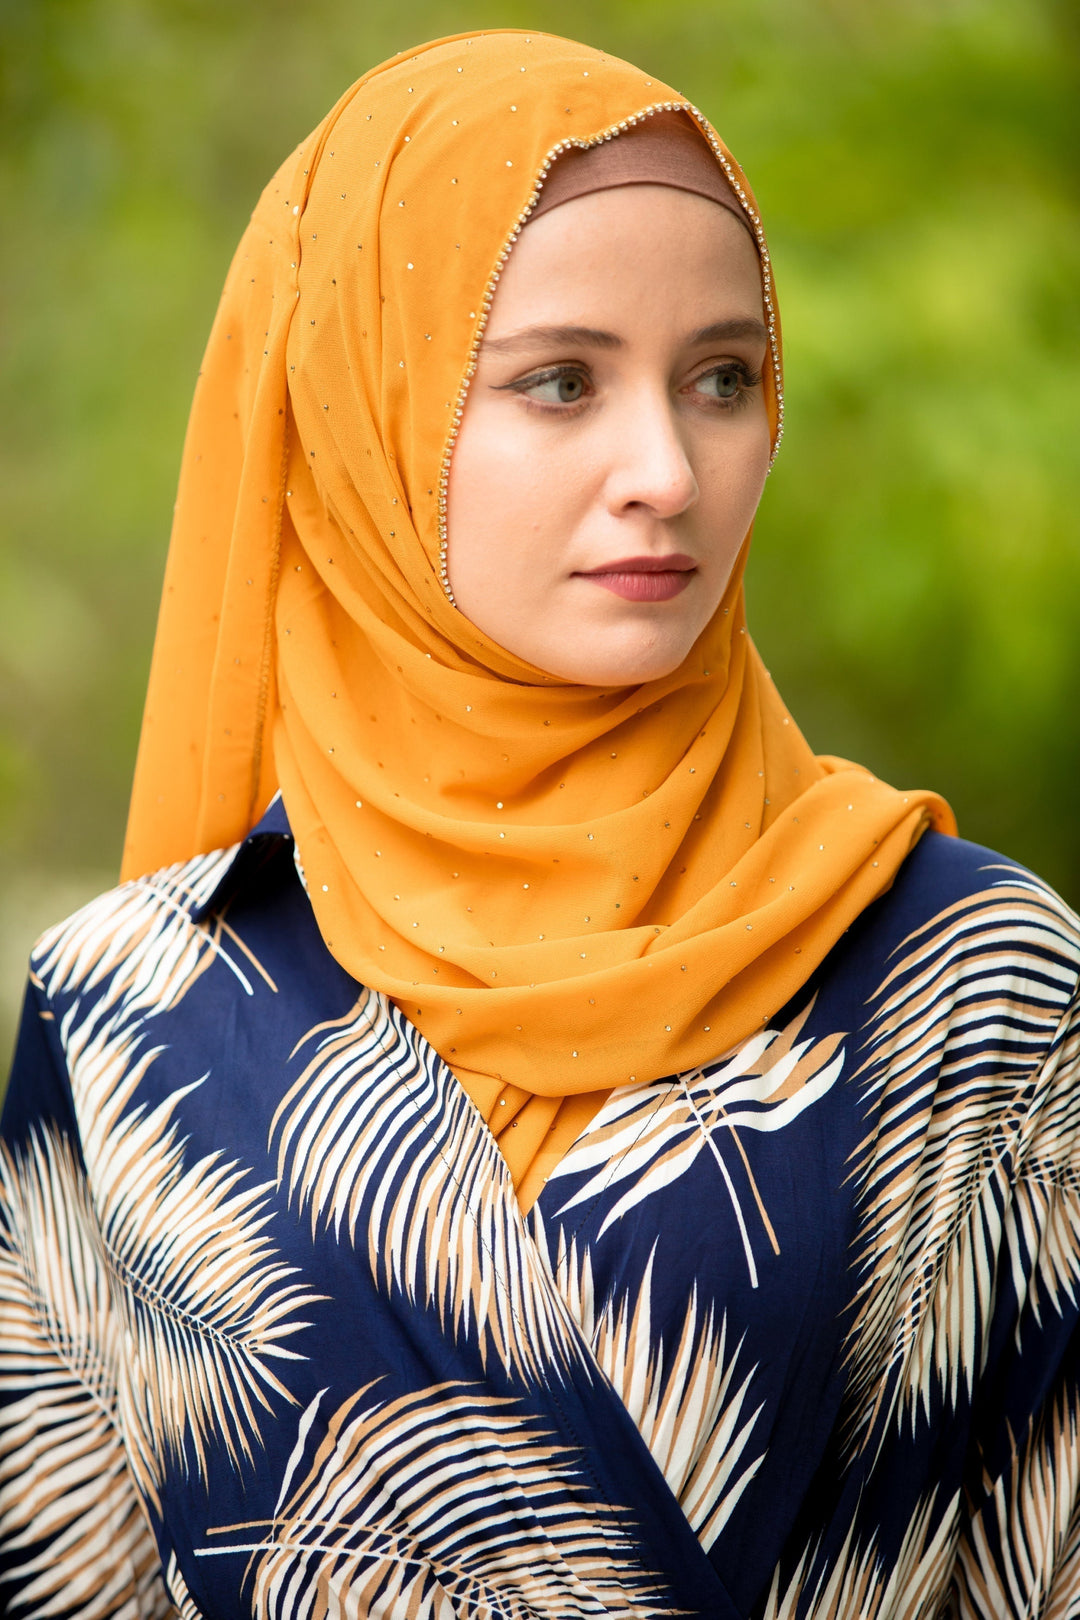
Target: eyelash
x: 748, y: 380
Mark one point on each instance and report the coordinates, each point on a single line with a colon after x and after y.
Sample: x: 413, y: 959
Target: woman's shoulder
x: 139, y: 919
x: 150, y: 918
x: 959, y: 865
x: 966, y: 950
x: 949, y: 884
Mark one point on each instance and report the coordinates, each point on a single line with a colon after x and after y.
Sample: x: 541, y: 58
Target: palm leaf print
x: 203, y: 1295
x: 647, y: 1136
x: 206, y: 1300
x: 444, y: 1502
x: 183, y: 1604
x: 1062, y: 1602
x: 138, y: 945
x: 377, y: 1137
x: 857, y: 1585
x: 64, y: 1481
x: 1010, y: 1565
x: 1042, y: 1223
x: 954, y: 1036
x: 691, y: 1406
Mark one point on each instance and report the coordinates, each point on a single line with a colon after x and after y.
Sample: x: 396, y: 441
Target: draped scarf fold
x: 564, y: 888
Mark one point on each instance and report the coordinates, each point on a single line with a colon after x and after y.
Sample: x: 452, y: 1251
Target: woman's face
x: 614, y: 443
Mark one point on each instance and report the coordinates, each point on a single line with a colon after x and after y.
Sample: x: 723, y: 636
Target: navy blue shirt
x: 790, y: 1335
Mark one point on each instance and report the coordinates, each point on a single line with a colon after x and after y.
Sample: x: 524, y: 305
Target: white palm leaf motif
x: 64, y: 1481
x: 974, y: 1001
x: 138, y: 945
x: 1042, y: 1223
x: 858, y: 1585
x: 378, y: 1138
x: 691, y: 1406
x: 645, y: 1137
x: 442, y: 1503
x: 1063, y: 1601
x: 184, y: 1607
x: 201, y: 1291
x: 204, y: 1293
x: 1016, y: 1559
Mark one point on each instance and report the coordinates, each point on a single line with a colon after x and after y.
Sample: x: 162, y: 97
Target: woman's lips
x: 645, y: 579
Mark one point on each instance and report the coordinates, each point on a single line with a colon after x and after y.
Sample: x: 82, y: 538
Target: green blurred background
x: 915, y: 582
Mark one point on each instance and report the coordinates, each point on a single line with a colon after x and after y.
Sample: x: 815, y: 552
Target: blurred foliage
x: 915, y: 580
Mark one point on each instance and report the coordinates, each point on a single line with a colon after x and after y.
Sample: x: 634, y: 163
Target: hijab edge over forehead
x: 668, y: 149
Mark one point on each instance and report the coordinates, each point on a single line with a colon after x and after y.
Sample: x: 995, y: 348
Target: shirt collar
x: 251, y: 859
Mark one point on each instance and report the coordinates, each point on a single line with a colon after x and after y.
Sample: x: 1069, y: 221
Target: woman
x: 540, y: 1142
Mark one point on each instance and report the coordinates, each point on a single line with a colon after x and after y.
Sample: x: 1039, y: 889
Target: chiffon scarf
x: 564, y: 888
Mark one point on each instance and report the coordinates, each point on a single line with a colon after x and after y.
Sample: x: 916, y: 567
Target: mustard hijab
x: 564, y: 888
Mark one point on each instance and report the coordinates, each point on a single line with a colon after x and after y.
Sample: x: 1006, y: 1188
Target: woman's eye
x: 724, y: 382
x: 556, y: 388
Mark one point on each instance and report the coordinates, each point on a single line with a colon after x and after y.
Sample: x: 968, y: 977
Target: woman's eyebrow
x: 591, y: 337
x: 542, y: 337
x: 747, y: 327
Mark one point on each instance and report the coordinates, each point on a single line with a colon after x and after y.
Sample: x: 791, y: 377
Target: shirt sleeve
x: 1019, y: 1549
x: 75, y: 1540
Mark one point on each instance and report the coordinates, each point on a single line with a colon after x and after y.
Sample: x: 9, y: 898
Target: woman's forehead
x: 626, y: 262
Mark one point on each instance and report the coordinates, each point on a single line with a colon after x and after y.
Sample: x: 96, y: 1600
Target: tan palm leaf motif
x: 202, y: 1293
x: 1020, y: 1555
x: 138, y: 945
x: 377, y: 1137
x: 692, y: 1406
x: 857, y: 1585
x: 445, y: 1502
x: 647, y: 1136
x: 1042, y: 1223
x: 183, y: 1604
x: 64, y: 1480
x: 205, y: 1297
x: 1063, y: 1600
x: 953, y: 1046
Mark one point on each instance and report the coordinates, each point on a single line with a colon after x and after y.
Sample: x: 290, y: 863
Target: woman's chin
x: 590, y: 663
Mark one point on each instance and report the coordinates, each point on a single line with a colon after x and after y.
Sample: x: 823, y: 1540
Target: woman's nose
x: 650, y: 466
